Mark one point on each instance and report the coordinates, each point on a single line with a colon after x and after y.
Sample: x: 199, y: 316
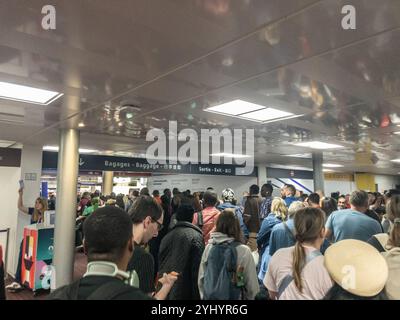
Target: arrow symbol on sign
x: 81, y: 162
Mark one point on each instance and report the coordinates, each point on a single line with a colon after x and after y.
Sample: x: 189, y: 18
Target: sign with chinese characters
x: 109, y: 163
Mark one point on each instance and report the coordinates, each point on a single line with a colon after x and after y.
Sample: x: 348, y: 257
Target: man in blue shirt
x: 290, y: 191
x: 352, y: 223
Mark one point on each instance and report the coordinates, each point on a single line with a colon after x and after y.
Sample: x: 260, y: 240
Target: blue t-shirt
x: 350, y: 224
x: 281, y: 238
x: 289, y: 200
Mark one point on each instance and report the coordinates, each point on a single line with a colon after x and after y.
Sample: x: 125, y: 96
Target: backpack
x: 221, y: 279
x: 107, y: 291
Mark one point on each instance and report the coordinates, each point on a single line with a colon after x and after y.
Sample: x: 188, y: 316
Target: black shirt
x: 88, y: 285
x: 143, y: 263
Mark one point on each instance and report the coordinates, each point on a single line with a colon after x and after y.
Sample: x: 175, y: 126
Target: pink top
x: 316, y: 280
x: 210, y: 215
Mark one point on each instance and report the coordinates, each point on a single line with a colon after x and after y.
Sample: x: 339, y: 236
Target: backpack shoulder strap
x: 383, y: 239
x: 200, y: 221
x: 108, y: 291
x: 289, y: 278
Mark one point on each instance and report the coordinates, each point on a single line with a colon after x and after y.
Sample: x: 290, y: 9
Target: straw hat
x: 357, y: 267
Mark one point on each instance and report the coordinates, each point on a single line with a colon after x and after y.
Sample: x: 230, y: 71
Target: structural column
x: 108, y: 182
x: 318, y: 171
x: 64, y: 233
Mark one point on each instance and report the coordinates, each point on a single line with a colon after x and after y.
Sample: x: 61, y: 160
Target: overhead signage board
x: 109, y: 163
x: 10, y: 157
x: 289, y: 174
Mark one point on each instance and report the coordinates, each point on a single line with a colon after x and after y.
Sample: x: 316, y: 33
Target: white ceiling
x: 175, y: 58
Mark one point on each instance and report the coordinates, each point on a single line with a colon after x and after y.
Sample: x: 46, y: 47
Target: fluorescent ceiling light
x: 299, y: 155
x: 87, y: 151
x: 6, y: 143
x: 230, y: 155
x: 397, y: 132
x: 318, y: 145
x: 327, y: 170
x: 267, y: 114
x: 251, y: 111
x: 54, y: 148
x: 235, y: 107
x: 332, y: 165
x: 18, y: 92
x: 50, y: 148
x: 395, y: 160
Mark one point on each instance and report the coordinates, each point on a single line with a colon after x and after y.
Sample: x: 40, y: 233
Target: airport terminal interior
x: 200, y: 150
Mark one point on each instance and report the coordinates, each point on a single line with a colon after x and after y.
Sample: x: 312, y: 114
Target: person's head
x: 210, y: 199
x: 144, y: 192
x: 266, y: 190
x: 210, y: 189
x: 283, y: 191
x: 185, y: 213
x: 167, y: 193
x: 254, y: 190
x: 135, y: 193
x: 357, y: 267
x: 371, y: 198
x: 120, y: 201
x: 294, y: 207
x: 228, y: 224
x: 290, y: 190
x: 359, y: 201
x: 147, y: 219
x: 95, y: 203
x: 108, y: 236
x: 188, y: 192
x: 278, y: 207
x: 228, y: 195
x: 156, y: 193
x: 41, y: 204
x: 313, y: 200
x: 341, y: 203
x: 309, y: 225
x: 393, y: 213
x: 86, y: 195
x: 328, y: 205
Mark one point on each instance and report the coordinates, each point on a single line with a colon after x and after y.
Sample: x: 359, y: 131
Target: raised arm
x: 20, y: 204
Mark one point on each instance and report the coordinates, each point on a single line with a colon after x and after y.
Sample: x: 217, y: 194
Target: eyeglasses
x: 159, y: 225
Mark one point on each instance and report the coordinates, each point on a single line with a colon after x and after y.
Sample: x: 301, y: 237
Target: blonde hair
x: 278, y: 207
x: 36, y: 213
x: 294, y: 207
x: 308, y: 223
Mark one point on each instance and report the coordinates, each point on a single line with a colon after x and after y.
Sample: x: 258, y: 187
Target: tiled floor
x: 80, y: 268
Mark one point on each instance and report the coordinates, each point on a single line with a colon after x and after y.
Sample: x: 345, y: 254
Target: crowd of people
x: 205, y: 245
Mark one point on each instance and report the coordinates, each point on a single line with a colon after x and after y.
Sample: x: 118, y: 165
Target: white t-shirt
x: 315, y: 278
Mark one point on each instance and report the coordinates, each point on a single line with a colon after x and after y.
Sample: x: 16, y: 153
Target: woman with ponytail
x: 298, y: 272
x: 389, y: 246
